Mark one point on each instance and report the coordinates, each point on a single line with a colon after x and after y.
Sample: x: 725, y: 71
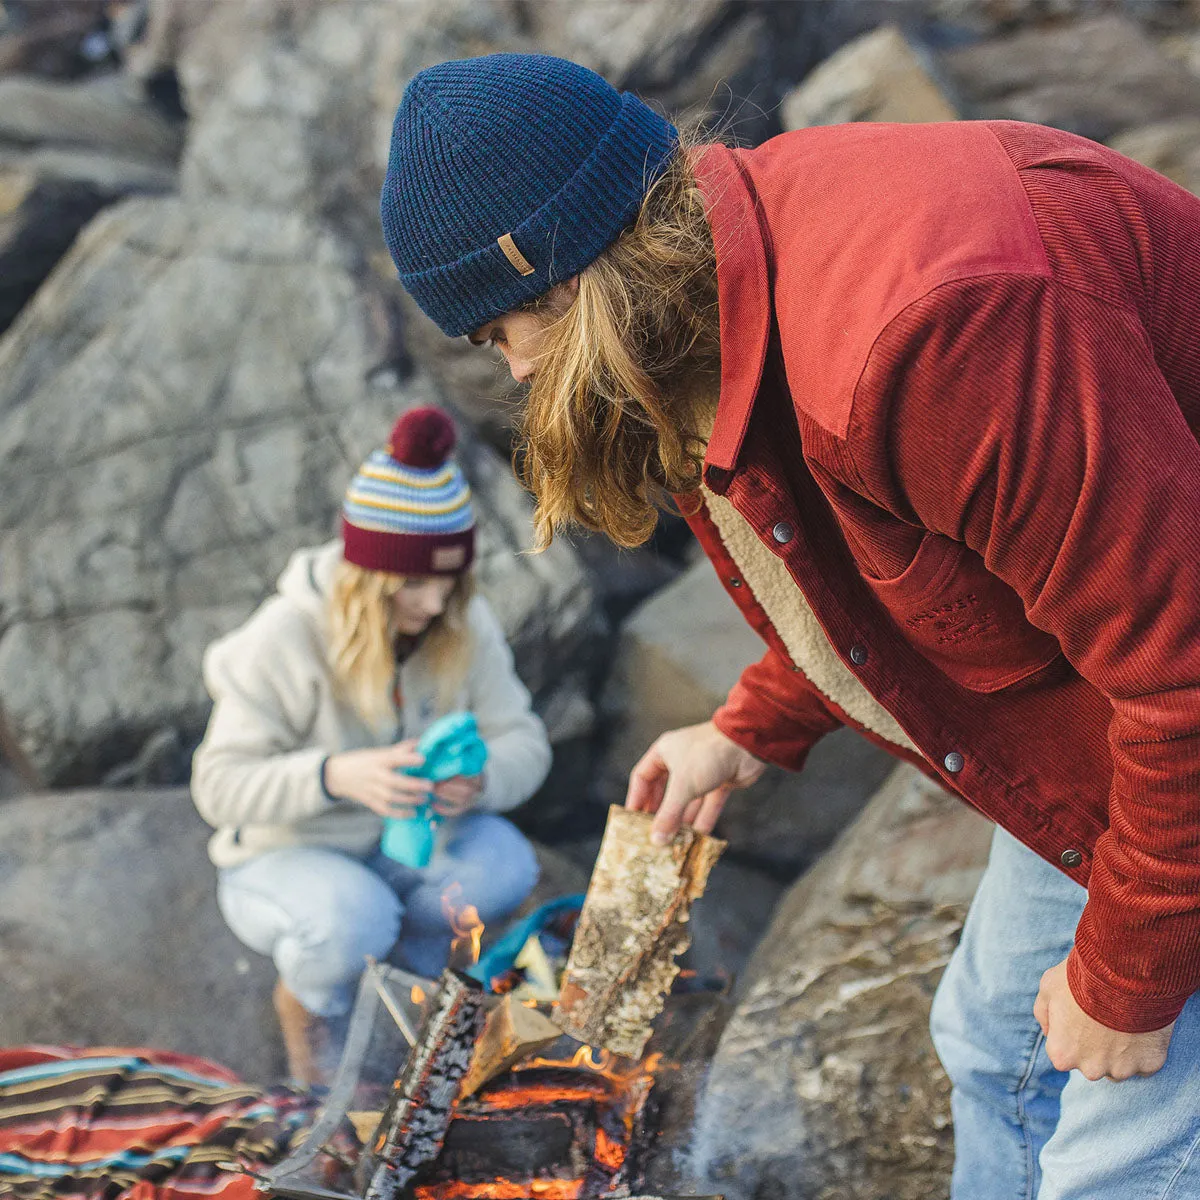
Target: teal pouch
x: 450, y: 746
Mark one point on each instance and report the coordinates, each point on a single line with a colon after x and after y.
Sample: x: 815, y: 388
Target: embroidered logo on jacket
x: 955, y: 621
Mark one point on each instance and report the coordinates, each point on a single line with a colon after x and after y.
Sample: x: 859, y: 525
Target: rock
x: 677, y: 657
x: 111, y: 934
x: 49, y: 37
x: 729, y: 920
x: 1170, y: 147
x: 1095, y: 77
x: 181, y: 406
x: 877, y: 77
x: 98, y: 114
x: 825, y: 1083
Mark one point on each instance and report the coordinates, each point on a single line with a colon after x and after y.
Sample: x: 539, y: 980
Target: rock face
x: 877, y: 77
x: 1170, y: 147
x: 181, y: 407
x: 111, y: 934
x: 825, y: 1084
x: 677, y: 657
x: 1095, y: 77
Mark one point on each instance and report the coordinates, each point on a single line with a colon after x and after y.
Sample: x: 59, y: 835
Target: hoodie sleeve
x: 254, y: 766
x: 518, y: 748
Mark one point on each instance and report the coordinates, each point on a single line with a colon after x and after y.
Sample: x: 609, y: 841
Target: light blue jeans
x: 1023, y: 1130
x: 319, y: 912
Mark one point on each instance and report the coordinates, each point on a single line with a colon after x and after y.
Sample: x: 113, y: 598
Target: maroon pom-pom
x: 423, y: 437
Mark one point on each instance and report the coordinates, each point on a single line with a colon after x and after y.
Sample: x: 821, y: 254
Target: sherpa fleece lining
x: 769, y: 579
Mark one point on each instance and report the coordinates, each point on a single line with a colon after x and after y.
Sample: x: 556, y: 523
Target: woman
x: 929, y: 396
x: 319, y: 700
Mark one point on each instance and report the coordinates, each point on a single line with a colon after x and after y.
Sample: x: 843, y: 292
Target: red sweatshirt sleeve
x: 775, y: 713
x: 1030, y: 421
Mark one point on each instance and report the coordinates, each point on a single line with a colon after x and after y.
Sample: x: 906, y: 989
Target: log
x: 512, y: 1033
x: 632, y: 928
x: 414, y: 1124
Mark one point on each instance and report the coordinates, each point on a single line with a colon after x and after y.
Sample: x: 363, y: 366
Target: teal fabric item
x: 450, y: 746
x: 503, y: 953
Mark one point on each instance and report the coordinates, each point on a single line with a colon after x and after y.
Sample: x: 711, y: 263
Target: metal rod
x: 389, y: 1002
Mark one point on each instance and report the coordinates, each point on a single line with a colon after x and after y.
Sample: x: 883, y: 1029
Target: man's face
x: 518, y: 334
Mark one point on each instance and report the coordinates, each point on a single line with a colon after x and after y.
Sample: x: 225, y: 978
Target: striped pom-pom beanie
x: 408, y: 510
x: 507, y: 174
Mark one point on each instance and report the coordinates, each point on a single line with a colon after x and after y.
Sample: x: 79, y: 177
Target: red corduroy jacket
x: 959, y: 402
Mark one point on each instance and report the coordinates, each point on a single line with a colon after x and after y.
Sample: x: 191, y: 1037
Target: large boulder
x: 678, y: 655
x: 180, y: 407
x: 877, y: 77
x: 111, y: 934
x: 825, y: 1083
x: 1096, y: 77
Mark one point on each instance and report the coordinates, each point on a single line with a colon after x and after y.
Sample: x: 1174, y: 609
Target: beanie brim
x: 558, y: 240
x: 400, y: 554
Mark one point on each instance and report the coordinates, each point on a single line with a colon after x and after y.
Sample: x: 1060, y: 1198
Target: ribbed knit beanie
x: 408, y: 510
x: 508, y: 174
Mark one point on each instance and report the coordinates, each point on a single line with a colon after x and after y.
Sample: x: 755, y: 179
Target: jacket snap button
x: 1071, y: 858
x: 735, y: 582
x: 954, y: 762
x: 858, y: 655
x: 783, y: 533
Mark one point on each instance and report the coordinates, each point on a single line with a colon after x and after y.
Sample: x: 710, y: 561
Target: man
x: 929, y: 398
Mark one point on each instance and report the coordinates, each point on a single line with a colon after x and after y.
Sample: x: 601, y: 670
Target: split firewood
x: 512, y: 1033
x: 632, y: 928
x: 413, y: 1126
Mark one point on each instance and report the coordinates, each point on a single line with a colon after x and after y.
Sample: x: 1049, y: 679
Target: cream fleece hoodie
x: 256, y: 776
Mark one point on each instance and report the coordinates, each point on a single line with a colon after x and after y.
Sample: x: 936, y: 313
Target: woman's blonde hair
x: 362, y: 640
x: 614, y: 419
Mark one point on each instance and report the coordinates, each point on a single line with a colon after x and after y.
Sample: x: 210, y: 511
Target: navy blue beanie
x: 508, y: 174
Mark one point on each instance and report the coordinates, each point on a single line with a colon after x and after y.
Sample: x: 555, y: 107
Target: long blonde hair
x: 362, y: 653
x: 612, y: 424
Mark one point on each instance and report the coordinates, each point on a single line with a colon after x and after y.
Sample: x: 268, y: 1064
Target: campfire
x: 454, y: 1092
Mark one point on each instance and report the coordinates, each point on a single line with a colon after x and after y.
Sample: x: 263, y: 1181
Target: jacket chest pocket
x: 966, y: 621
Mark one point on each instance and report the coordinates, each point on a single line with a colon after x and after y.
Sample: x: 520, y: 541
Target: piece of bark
x: 512, y: 1033
x: 632, y: 928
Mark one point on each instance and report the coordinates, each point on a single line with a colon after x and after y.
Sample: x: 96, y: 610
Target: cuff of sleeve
x: 324, y: 787
x: 763, y: 730
x: 1115, y: 1008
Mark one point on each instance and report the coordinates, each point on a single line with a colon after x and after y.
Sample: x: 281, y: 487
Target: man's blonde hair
x: 623, y: 378
x: 362, y: 650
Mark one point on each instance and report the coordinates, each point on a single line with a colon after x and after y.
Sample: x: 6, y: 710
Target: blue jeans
x: 319, y: 912
x: 1023, y: 1130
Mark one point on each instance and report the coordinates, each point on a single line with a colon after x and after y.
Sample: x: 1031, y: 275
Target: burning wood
x: 512, y: 1033
x: 632, y: 928
x: 414, y: 1124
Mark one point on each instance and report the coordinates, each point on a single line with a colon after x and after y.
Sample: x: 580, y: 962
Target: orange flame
x: 608, y: 1153
x: 603, y: 1062
x: 502, y: 1189
x: 465, y: 924
x: 417, y: 994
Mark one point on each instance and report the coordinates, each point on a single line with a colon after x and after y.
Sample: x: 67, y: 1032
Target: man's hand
x: 686, y: 777
x: 1075, y: 1041
x: 457, y: 795
x: 372, y: 778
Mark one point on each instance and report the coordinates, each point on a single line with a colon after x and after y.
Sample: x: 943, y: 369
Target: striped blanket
x: 134, y: 1124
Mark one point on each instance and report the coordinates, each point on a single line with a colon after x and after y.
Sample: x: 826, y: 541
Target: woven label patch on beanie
x: 448, y: 558
x: 514, y: 256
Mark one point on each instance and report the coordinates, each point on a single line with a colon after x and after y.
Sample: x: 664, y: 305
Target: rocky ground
x: 203, y: 340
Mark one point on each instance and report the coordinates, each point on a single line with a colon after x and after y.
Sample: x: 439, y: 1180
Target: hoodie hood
x: 308, y: 577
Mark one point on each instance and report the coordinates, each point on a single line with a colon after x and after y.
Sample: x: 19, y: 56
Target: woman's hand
x: 455, y: 796
x: 686, y: 777
x: 372, y: 778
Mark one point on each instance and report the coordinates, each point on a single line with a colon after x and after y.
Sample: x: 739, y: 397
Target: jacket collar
x: 744, y: 297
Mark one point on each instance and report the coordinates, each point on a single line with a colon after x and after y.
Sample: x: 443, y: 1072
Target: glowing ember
x: 503, y: 1189
x: 464, y: 921
x: 417, y: 994
x: 608, y: 1153
x: 547, y: 1093
x: 602, y: 1062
